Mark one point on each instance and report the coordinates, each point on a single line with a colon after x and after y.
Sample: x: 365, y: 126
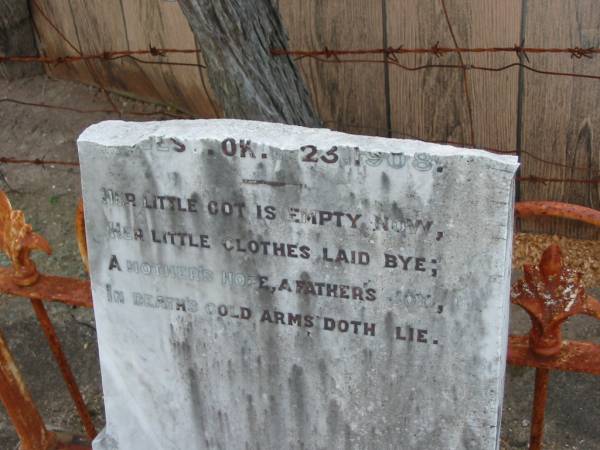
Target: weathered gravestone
x: 267, y: 286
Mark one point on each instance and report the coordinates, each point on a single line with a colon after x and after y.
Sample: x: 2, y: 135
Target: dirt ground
x: 48, y: 196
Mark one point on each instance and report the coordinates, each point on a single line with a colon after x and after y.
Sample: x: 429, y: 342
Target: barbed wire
x: 94, y: 111
x: 37, y: 162
x: 519, y: 50
x: 108, y: 56
x: 390, y: 56
x: 14, y: 160
x: 465, y: 77
x: 346, y: 127
x: 395, y: 62
x: 324, y: 56
x: 436, y: 50
x: 35, y: 4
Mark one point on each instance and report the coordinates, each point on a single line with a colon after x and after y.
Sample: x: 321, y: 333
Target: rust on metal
x: 20, y: 407
x: 559, y: 210
x: 575, y: 356
x: 551, y: 293
x: 80, y: 234
x: 17, y: 241
x: 540, y: 396
x: 65, y: 368
x: 71, y: 291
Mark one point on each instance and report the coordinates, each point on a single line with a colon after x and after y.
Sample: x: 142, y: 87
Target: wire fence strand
x: 437, y: 50
x: 94, y: 111
x: 107, y: 56
x: 389, y: 55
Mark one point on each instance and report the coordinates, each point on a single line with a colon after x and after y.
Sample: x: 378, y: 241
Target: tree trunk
x: 17, y: 39
x: 236, y: 37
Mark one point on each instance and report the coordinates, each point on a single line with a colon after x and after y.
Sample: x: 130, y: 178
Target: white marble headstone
x: 266, y: 286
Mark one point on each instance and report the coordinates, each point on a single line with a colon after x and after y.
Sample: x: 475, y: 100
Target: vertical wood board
x: 348, y: 96
x: 489, y: 23
x: 154, y: 23
x: 98, y: 26
x: 52, y: 44
x: 431, y: 103
x: 556, y: 122
x: 560, y: 114
x: 428, y: 104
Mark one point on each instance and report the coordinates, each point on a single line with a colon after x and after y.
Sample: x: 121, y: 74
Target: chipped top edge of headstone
x: 123, y: 133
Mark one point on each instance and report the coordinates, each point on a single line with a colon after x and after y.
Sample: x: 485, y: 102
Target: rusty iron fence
x: 21, y: 279
x: 549, y: 292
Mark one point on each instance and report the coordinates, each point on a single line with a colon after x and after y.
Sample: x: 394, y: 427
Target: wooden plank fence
x: 549, y: 120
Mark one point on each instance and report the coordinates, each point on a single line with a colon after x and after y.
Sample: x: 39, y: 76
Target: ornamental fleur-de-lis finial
x: 551, y: 293
x: 17, y: 241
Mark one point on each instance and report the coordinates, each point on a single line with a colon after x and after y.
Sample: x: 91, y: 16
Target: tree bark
x: 17, y: 39
x: 236, y: 37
